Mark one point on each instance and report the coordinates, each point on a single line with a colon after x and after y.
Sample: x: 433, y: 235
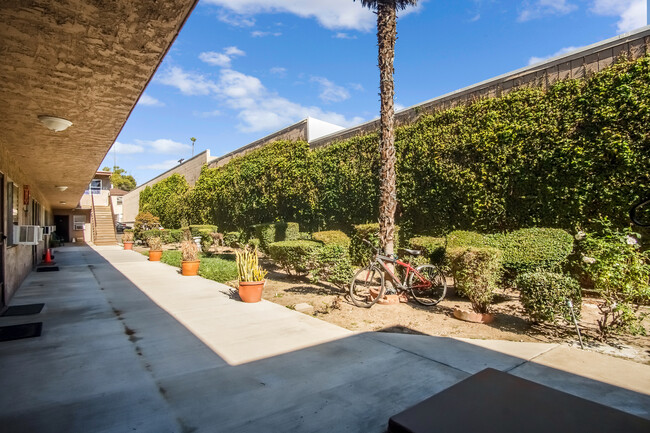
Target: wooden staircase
x: 104, y: 227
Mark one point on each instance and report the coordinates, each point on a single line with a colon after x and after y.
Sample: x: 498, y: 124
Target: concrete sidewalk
x: 130, y: 345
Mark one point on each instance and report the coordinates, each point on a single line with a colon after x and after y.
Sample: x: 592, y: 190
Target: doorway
x: 2, y: 241
x: 62, y: 223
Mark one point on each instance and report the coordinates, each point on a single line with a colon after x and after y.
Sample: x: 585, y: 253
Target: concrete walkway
x: 130, y: 345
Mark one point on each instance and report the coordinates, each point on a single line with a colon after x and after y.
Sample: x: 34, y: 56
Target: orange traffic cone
x: 48, y: 258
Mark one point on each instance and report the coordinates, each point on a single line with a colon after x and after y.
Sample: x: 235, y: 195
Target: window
x: 79, y: 221
x: 95, y: 187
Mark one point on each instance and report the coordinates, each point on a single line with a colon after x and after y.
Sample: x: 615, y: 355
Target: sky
x: 242, y: 69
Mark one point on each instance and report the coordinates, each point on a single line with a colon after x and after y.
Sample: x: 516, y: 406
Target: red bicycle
x: 426, y: 283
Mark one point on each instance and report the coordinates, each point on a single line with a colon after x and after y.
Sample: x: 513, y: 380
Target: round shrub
x: 531, y: 249
x: 276, y: 232
x: 331, y: 263
x: 433, y: 249
x: 332, y: 237
x: 360, y: 252
x: 232, y: 239
x: 462, y: 238
x: 476, y: 271
x: 544, y: 295
x: 293, y: 255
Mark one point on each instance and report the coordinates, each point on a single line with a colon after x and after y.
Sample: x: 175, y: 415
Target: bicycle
x: 426, y: 283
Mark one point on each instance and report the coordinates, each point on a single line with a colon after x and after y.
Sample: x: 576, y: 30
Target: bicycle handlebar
x: 634, y: 217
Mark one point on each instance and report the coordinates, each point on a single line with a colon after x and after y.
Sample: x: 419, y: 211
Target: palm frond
x: 399, y: 4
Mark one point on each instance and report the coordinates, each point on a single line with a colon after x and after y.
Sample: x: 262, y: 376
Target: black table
x: 493, y: 401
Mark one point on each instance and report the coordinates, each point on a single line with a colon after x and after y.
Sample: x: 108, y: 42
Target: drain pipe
x: 575, y: 322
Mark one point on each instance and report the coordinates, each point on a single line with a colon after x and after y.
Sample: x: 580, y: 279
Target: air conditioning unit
x: 27, y: 235
x: 47, y: 230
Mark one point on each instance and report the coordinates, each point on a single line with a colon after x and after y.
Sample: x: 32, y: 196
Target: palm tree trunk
x: 386, y: 35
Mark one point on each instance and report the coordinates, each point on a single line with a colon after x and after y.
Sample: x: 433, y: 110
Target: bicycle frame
x: 409, y: 268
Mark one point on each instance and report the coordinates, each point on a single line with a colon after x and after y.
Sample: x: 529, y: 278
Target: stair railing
x: 93, y: 222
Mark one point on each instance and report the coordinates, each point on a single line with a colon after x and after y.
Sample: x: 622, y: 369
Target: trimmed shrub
x: 254, y: 243
x: 206, y: 239
x: 332, y: 237
x: 276, y: 232
x: 293, y: 255
x: 331, y: 263
x: 232, y: 239
x: 462, y: 238
x: 145, y: 235
x: 532, y: 249
x: 144, y: 221
x: 195, y: 229
x: 304, y: 236
x: 476, y: 271
x: 171, y: 236
x: 433, y: 249
x: 360, y: 252
x: 544, y: 295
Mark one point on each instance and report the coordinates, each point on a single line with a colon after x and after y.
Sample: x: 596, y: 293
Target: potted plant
x: 251, y: 276
x: 155, y: 249
x: 190, y: 258
x: 127, y: 239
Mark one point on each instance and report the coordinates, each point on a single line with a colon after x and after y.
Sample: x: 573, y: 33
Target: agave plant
x: 248, y: 266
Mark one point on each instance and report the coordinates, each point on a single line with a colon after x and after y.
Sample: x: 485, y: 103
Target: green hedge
x: 360, y: 252
x: 476, y: 272
x: 167, y: 200
x: 433, y: 249
x: 276, y: 232
x: 331, y: 262
x: 552, y: 157
x: 196, y: 229
x: 544, y: 295
x: 293, y: 255
x: 332, y: 237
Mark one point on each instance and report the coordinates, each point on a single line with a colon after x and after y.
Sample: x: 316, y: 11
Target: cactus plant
x: 248, y: 266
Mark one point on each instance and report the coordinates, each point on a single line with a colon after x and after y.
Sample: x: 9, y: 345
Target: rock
x: 304, y: 308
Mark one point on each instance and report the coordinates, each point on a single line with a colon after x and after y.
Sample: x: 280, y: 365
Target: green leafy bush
x: 331, y: 262
x: 276, y: 232
x: 144, y: 221
x: 476, y: 271
x: 360, y: 252
x: 171, y: 236
x: 232, y: 239
x: 145, y: 235
x: 533, y: 249
x: 544, y: 295
x: 433, y: 249
x: 196, y: 229
x: 620, y: 271
x: 167, y: 200
x: 207, y: 240
x: 463, y: 238
x: 293, y: 255
x: 332, y: 237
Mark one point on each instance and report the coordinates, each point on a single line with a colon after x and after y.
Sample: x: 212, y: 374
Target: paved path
x: 130, y: 345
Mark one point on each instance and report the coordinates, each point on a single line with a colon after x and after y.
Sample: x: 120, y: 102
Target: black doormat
x: 23, y: 310
x: 16, y: 332
x: 47, y: 269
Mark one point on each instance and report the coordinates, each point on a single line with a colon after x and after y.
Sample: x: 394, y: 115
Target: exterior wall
x: 80, y: 236
x: 191, y: 169
x: 101, y: 199
x: 579, y: 64
x: 117, y: 208
x: 18, y: 259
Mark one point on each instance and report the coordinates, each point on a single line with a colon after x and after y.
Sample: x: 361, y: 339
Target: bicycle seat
x: 412, y: 252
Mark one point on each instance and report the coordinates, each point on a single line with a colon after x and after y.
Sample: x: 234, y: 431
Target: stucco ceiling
x: 87, y: 61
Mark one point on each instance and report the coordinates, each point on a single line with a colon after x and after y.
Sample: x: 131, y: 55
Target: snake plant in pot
x: 251, y: 276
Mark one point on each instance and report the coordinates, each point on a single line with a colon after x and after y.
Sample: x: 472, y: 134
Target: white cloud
x: 213, y: 113
x: 165, y: 165
x: 164, y: 145
x: 279, y: 71
x: 534, y: 59
x: 258, y: 109
x: 260, y: 34
x: 632, y: 13
x: 126, y: 148
x: 341, y: 35
x: 150, y: 101
x: 236, y: 20
x: 221, y: 59
x: 188, y: 83
x: 331, y: 14
x: 541, y: 8
x: 330, y: 92
x: 398, y: 107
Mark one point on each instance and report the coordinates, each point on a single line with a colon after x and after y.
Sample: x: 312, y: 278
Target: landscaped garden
x: 522, y: 200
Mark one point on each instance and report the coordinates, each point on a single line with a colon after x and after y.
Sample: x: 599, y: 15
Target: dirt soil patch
x: 332, y: 305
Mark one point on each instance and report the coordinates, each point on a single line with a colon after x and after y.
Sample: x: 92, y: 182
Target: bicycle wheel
x: 428, y: 286
x: 367, y: 286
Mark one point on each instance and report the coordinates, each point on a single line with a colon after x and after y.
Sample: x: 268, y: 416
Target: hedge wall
x: 534, y: 157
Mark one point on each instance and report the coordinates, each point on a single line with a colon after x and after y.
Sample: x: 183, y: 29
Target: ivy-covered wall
x: 554, y: 158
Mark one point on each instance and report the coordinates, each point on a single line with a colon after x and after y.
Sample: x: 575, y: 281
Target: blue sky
x: 242, y: 69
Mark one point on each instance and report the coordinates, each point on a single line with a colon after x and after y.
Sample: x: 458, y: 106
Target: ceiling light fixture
x: 62, y: 202
x: 54, y: 123
x: 61, y: 187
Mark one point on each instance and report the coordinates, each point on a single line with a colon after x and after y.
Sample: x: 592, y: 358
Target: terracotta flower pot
x: 471, y: 316
x: 154, y: 256
x: 128, y: 245
x: 251, y: 291
x: 190, y: 268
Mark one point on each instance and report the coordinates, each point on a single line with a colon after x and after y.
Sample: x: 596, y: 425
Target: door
x: 2, y: 241
x: 62, y: 223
